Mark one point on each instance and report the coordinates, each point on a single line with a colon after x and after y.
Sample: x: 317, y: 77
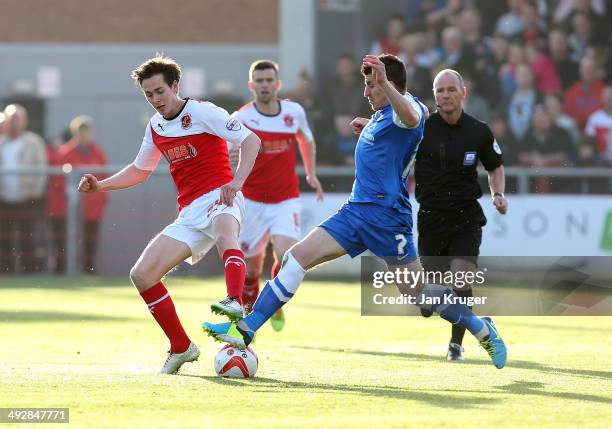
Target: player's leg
x: 389, y: 236
x: 441, y: 299
x: 281, y: 244
x: 283, y: 223
x: 455, y: 346
x: 225, y: 230
x: 253, y: 239
x: 161, y: 255
x: 254, y: 266
x: 463, y: 251
x: 314, y: 249
x: 433, y: 243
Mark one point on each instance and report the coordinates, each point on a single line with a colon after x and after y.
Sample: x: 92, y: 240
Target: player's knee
x: 140, y: 277
x: 225, y: 242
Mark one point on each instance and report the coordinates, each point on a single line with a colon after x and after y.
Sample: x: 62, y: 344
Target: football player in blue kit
x: 377, y: 215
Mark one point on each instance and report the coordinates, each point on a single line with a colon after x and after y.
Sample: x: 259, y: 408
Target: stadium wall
x: 140, y: 21
x: 536, y: 225
x: 95, y: 80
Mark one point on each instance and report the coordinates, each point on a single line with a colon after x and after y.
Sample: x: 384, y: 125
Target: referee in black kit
x: 450, y: 219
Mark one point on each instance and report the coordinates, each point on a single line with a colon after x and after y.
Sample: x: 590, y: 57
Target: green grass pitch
x: 91, y: 345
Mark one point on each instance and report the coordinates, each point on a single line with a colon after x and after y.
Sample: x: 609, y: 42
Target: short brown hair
x: 394, y: 69
x: 160, y: 64
x: 262, y: 65
x: 80, y: 123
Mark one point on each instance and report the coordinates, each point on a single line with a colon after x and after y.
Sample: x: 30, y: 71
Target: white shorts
x: 193, y: 226
x: 264, y: 220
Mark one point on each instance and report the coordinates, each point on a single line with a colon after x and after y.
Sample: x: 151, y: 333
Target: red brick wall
x: 139, y: 21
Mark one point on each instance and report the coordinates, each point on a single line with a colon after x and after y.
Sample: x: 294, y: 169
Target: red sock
x: 275, y: 269
x: 162, y: 308
x: 235, y: 272
x: 250, y: 291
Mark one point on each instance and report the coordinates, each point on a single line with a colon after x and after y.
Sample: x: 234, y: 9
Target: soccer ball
x: 233, y: 362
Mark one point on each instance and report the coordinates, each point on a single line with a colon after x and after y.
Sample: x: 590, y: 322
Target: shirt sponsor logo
x: 469, y: 158
x: 275, y: 146
x: 186, y: 121
x: 180, y: 153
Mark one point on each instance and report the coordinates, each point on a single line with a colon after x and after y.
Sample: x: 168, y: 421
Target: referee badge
x: 469, y: 158
x: 496, y: 147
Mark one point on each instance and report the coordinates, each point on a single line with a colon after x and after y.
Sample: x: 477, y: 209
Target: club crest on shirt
x: 186, y: 121
x: 288, y: 120
x: 233, y: 124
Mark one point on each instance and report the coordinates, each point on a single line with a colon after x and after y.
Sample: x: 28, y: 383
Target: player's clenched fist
x: 88, y: 183
x: 229, y: 191
x: 357, y: 124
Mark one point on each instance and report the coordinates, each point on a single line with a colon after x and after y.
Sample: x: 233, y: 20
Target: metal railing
x: 523, y: 176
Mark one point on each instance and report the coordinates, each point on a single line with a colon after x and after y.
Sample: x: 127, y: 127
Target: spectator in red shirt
x: 584, y: 97
x: 544, y: 71
x: 56, y: 206
x: 82, y: 150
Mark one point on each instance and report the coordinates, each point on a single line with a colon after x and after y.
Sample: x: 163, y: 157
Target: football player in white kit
x: 271, y: 191
x: 191, y: 135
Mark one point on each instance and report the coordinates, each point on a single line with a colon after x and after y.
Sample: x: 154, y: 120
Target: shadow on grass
x: 336, y: 308
x: 557, y: 328
x: 512, y: 363
x: 446, y: 398
x: 539, y: 389
x: 271, y: 385
x: 52, y: 316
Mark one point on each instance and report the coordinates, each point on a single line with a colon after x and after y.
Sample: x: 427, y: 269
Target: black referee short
x: 446, y: 235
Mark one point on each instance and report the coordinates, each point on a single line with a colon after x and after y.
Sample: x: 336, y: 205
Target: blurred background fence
x: 561, y: 223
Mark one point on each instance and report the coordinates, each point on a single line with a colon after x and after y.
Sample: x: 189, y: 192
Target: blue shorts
x: 366, y: 226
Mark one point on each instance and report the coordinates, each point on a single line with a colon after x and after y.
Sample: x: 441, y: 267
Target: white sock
x: 291, y: 273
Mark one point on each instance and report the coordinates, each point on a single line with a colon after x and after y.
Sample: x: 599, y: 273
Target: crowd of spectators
x: 540, y: 71
x: 33, y: 203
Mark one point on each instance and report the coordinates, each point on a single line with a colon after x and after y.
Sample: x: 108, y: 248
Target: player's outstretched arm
x: 126, y: 178
x: 249, y: 149
x: 401, y: 106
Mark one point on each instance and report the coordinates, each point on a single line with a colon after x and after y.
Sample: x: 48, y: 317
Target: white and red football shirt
x: 194, y: 144
x: 599, y: 127
x: 273, y: 178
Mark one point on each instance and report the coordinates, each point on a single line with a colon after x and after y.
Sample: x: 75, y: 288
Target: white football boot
x: 229, y: 307
x: 174, y: 361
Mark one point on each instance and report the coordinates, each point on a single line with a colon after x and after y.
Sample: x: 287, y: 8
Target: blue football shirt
x: 383, y: 156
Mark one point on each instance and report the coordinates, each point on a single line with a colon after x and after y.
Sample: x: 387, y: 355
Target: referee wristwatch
x: 498, y: 194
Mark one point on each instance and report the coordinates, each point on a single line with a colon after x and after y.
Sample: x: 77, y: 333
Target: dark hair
x: 160, y: 64
x: 345, y: 56
x: 262, y: 65
x: 394, y: 69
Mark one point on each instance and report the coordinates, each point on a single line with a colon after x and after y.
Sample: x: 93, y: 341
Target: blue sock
x: 456, y: 313
x: 267, y: 304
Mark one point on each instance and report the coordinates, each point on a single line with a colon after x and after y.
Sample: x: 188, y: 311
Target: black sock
x: 457, y: 331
